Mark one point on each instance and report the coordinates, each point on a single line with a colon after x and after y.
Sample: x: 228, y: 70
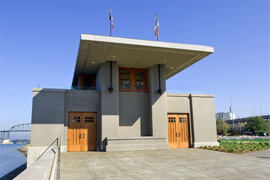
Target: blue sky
x: 40, y: 40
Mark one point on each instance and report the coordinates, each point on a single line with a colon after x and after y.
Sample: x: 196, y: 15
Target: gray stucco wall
x: 121, y: 114
x: 47, y: 116
x: 50, y: 112
x: 201, y: 110
x: 82, y: 101
x: 178, y: 103
x: 124, y: 114
x: 158, y: 101
x: 109, y: 102
x: 204, y: 121
x: 134, y: 114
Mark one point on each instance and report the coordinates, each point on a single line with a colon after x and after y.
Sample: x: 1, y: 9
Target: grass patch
x: 256, y: 140
x: 240, y: 146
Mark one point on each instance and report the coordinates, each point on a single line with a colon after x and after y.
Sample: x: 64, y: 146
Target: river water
x: 10, y: 158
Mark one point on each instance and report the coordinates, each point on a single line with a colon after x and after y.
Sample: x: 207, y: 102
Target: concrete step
x: 136, y: 143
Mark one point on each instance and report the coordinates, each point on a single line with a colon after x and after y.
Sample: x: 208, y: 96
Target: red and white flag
x: 111, y: 18
x: 156, y: 26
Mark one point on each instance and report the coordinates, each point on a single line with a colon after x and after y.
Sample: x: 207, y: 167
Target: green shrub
x: 231, y: 150
x: 240, y: 146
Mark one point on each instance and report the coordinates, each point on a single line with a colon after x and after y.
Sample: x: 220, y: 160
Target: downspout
x: 159, y: 90
x: 110, y: 88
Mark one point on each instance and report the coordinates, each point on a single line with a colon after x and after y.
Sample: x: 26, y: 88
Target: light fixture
x: 171, y: 67
x: 165, y: 60
x: 114, y: 57
x: 93, y: 62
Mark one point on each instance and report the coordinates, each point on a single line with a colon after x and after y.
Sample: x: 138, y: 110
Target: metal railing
x: 58, y: 161
x: 91, y: 88
x: 58, y: 144
x: 68, y: 87
x: 48, y: 148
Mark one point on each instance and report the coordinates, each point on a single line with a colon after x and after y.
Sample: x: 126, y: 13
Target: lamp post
x: 232, y: 113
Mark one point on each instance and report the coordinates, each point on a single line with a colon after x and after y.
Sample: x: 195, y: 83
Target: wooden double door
x: 82, y: 133
x: 178, y: 127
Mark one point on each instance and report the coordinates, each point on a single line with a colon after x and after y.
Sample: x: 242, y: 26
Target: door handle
x: 81, y: 136
x: 178, y: 134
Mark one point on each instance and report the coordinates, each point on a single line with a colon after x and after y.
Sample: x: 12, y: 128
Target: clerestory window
x: 132, y: 79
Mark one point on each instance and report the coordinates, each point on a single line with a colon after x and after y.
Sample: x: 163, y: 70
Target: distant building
x: 225, y: 115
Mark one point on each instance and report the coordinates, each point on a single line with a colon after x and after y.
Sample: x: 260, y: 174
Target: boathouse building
x: 118, y: 100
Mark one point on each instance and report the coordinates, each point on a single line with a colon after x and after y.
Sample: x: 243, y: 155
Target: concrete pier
x: 6, y: 141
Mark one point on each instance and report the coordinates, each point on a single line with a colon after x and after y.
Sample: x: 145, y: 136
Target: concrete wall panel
x: 47, y: 116
x: 109, y: 102
x: 50, y: 113
x: 48, y: 106
x: 134, y: 114
x: 201, y: 111
x: 82, y: 101
x: 158, y: 101
x: 204, y: 121
x: 178, y: 103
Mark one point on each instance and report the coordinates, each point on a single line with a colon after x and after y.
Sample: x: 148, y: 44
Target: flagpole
x: 157, y: 26
x: 111, y: 21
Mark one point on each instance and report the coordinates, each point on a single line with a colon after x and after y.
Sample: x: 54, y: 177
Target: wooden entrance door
x: 178, y: 127
x: 82, y: 131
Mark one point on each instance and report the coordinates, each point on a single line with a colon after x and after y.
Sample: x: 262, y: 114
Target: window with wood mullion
x: 140, y: 80
x: 125, y: 83
x: 131, y: 79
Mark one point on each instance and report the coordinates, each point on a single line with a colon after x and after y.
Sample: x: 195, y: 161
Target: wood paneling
x: 82, y: 131
x: 178, y: 131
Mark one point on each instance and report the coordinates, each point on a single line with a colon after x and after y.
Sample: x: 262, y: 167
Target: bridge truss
x: 26, y: 127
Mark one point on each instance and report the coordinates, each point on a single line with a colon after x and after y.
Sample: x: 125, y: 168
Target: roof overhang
x: 95, y: 50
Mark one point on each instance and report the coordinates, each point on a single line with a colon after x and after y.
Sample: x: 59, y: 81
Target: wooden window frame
x: 132, y: 80
x: 81, y: 83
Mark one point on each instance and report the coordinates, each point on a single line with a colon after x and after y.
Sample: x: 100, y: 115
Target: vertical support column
x: 109, y: 102
x: 158, y: 101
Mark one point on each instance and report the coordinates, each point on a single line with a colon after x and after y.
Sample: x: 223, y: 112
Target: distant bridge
x: 26, y: 127
x: 238, y: 124
x: 243, y: 120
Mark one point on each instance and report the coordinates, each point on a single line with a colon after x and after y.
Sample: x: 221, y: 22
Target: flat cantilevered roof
x: 134, y: 53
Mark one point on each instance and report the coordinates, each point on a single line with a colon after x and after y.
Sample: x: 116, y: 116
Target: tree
x: 256, y: 125
x: 267, y: 126
x: 222, y: 127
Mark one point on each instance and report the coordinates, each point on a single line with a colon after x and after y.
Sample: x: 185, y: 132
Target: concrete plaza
x: 165, y: 164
